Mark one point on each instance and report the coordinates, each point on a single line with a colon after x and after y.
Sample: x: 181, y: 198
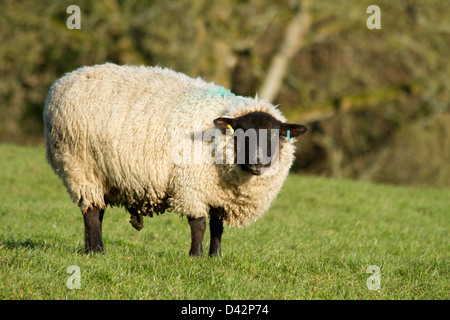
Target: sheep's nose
x: 255, y: 168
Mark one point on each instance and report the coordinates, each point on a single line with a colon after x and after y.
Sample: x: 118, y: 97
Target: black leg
x: 198, y: 227
x: 93, y: 218
x: 216, y: 229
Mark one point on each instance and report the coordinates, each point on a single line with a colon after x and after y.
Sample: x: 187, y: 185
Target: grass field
x: 316, y: 242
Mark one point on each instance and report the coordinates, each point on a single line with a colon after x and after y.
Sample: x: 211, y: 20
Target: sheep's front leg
x: 93, y: 218
x: 198, y: 227
x: 216, y: 228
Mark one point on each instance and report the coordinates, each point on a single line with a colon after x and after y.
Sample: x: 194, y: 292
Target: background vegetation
x: 376, y: 101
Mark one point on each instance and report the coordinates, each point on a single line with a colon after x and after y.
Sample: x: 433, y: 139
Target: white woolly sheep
x: 111, y: 137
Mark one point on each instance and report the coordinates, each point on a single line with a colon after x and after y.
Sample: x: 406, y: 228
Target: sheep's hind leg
x: 93, y: 218
x: 216, y: 228
x: 198, y: 227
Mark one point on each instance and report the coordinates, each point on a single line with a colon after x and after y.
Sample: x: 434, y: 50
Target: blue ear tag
x: 288, y: 136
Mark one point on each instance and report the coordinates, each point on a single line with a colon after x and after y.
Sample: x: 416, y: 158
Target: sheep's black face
x: 258, y: 139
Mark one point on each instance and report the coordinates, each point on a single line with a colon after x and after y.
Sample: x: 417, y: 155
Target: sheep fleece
x: 108, y: 135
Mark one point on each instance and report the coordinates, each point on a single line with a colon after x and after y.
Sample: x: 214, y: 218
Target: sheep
x: 114, y: 135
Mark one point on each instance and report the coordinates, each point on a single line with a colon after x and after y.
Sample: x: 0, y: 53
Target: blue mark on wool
x: 218, y: 90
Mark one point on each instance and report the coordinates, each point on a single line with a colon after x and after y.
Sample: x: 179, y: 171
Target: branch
x: 293, y: 40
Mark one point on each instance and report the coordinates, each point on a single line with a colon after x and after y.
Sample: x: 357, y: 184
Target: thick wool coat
x: 110, y: 137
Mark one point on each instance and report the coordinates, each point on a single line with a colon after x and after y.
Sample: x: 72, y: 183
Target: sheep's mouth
x: 256, y: 170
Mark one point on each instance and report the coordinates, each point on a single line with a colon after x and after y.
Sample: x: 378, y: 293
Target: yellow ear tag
x: 231, y: 129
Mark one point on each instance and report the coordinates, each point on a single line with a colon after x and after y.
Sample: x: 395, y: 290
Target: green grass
x: 316, y: 242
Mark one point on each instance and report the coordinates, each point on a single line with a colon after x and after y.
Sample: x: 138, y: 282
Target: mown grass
x: 316, y: 242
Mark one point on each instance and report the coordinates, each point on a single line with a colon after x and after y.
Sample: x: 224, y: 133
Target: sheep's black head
x: 258, y: 138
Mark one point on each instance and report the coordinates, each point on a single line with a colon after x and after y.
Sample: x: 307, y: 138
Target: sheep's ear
x: 292, y: 130
x: 225, y: 123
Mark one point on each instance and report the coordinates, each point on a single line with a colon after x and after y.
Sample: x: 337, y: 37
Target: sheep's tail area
x: 47, y: 134
x: 82, y: 185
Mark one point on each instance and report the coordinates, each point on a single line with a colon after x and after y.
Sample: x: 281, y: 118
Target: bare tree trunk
x: 294, y: 38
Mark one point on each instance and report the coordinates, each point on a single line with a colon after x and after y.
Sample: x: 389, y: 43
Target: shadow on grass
x: 12, y: 244
x: 112, y: 247
x: 31, y: 244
